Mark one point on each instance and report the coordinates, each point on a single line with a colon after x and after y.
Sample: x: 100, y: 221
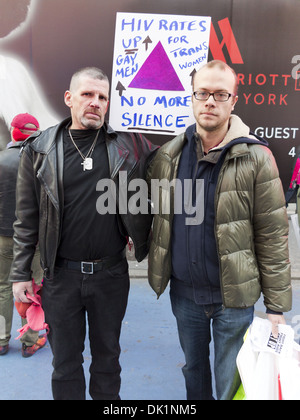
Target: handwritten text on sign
x: 155, y: 57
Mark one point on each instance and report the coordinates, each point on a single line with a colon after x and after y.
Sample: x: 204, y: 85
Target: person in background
x: 22, y: 126
x: 222, y: 251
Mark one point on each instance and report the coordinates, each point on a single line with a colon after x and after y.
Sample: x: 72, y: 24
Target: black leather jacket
x: 9, y: 163
x: 40, y: 194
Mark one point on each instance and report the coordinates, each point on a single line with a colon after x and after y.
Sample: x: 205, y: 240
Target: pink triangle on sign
x: 157, y: 73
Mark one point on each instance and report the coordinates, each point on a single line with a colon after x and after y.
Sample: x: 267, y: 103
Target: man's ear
x: 68, y: 98
x: 234, y: 102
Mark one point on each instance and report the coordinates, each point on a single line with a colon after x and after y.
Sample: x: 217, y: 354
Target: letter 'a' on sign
x: 157, y: 73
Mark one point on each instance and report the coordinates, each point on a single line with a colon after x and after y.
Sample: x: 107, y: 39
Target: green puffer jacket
x: 251, y: 224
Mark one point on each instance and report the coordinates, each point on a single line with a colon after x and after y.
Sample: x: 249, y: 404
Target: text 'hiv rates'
x: 163, y: 25
x: 134, y: 197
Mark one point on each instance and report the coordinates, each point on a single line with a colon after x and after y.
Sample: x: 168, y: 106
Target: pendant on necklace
x: 87, y: 164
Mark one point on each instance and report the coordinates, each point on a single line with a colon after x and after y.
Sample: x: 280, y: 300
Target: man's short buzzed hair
x: 222, y: 66
x: 92, y: 72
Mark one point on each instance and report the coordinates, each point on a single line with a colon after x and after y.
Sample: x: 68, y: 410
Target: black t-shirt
x: 86, y: 234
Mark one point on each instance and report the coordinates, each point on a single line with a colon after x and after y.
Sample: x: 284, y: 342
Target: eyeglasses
x: 218, y: 96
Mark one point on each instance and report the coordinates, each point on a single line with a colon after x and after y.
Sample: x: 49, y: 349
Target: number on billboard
x: 292, y: 152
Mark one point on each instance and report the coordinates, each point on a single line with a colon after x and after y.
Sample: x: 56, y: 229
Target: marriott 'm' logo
x: 216, y: 47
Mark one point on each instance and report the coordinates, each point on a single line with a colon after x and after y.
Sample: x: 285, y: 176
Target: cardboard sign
x: 155, y: 57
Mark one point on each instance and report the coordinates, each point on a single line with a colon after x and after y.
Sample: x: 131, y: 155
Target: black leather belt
x: 91, y: 267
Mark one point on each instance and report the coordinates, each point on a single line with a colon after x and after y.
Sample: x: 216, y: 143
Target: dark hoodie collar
x: 191, y: 132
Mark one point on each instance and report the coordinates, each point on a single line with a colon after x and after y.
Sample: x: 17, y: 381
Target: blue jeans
x: 229, y: 326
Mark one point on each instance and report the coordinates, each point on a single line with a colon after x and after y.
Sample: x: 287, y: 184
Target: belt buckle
x: 87, y: 267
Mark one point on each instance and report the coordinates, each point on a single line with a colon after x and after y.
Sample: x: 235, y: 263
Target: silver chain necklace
x: 87, y: 160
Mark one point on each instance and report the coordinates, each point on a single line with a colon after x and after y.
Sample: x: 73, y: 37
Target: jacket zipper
x: 46, y: 269
x: 220, y: 177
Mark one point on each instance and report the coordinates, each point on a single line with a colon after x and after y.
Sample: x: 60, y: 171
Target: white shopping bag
x: 258, y: 373
x: 289, y: 369
x: 269, y: 368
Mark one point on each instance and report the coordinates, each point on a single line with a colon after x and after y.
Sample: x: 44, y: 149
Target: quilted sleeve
x: 271, y: 228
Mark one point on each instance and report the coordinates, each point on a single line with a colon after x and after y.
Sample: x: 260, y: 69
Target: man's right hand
x: 20, y: 289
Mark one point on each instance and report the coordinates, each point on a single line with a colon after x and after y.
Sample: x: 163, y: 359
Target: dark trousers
x: 67, y: 299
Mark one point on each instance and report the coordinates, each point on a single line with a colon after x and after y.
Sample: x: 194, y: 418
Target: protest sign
x: 155, y: 57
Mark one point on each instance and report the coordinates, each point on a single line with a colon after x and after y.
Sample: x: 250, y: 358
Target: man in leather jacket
x: 82, y: 251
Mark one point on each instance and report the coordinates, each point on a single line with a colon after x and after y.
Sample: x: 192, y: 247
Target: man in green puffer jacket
x: 230, y: 242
